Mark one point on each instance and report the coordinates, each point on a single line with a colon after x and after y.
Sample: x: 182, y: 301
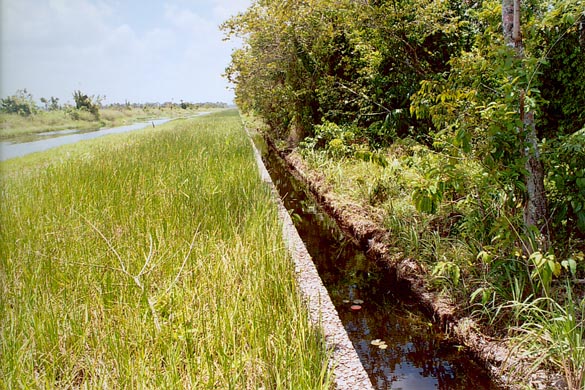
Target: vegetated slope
x: 21, y: 126
x: 459, y: 125
x: 150, y: 260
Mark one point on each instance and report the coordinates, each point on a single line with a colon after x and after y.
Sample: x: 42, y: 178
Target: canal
x: 396, y: 341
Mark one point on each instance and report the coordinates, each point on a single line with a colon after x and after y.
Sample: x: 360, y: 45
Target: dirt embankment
x: 507, y: 368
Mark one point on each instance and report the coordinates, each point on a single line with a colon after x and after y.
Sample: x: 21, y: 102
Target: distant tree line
x: 23, y: 103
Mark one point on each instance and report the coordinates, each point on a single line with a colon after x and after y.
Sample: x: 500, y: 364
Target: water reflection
x: 10, y: 150
x: 418, y: 355
x: 59, y: 132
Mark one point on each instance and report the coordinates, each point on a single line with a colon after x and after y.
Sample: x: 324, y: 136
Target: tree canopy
x: 439, y: 72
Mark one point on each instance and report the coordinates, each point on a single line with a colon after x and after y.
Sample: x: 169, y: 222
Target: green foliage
x: 84, y: 102
x: 545, y: 268
x: 51, y: 104
x: 482, y: 106
x: 428, y: 197
x: 341, y: 61
x: 562, y: 80
x: 565, y: 162
x: 441, y: 178
x: 336, y: 140
x: 447, y: 270
x: 341, y: 141
x: 21, y: 103
x: 376, y: 157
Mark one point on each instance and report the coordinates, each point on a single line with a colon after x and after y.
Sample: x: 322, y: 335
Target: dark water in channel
x: 418, y: 355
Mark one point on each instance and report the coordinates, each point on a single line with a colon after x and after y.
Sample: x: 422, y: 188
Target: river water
x: 418, y: 354
x: 52, y: 139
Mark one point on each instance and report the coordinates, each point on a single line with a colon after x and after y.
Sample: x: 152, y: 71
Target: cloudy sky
x: 135, y: 50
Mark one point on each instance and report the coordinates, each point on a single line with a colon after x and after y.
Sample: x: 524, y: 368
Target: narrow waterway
x: 52, y: 139
x: 417, y: 354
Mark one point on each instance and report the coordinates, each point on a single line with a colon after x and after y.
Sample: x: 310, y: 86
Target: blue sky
x: 140, y: 51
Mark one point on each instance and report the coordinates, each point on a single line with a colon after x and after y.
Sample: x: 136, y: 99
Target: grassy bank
x: 14, y: 125
x: 149, y: 260
x: 448, y: 216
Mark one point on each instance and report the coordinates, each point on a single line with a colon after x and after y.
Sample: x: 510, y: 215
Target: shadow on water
x: 418, y: 355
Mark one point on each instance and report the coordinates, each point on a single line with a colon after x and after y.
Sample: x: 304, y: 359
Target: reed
x: 150, y: 260
x: 16, y: 127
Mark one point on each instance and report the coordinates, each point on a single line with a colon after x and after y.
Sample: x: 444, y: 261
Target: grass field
x: 14, y: 126
x: 150, y: 260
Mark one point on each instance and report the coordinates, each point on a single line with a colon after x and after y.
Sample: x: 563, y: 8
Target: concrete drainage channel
x: 397, y: 343
x: 396, y: 340
x: 348, y: 370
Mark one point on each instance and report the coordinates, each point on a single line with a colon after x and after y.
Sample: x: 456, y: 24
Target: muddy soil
x: 506, y: 366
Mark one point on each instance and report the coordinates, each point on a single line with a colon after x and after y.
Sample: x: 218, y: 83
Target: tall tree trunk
x: 508, y: 21
x: 535, y: 208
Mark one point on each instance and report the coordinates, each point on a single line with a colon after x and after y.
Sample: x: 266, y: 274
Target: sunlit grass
x: 14, y: 125
x: 554, y: 333
x: 451, y: 245
x: 149, y: 260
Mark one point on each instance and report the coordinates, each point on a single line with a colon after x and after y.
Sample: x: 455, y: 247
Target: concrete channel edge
x: 348, y: 371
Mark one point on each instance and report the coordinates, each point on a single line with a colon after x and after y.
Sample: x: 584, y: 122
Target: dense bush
x: 441, y: 73
x: 86, y: 103
x: 565, y: 162
x: 21, y: 103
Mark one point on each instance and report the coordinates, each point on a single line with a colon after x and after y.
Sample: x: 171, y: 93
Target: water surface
x: 52, y: 139
x: 419, y: 356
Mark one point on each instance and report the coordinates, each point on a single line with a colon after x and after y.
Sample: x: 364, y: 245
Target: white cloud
x: 187, y: 20
x: 54, y: 22
x: 116, y: 49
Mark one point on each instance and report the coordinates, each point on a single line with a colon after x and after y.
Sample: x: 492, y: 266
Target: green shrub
x: 84, y: 102
x: 564, y: 159
x: 20, y: 103
x: 337, y: 141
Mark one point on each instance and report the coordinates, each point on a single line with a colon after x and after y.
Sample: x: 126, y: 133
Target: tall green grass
x: 553, y: 333
x: 150, y: 260
x: 14, y: 126
x: 470, y: 249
